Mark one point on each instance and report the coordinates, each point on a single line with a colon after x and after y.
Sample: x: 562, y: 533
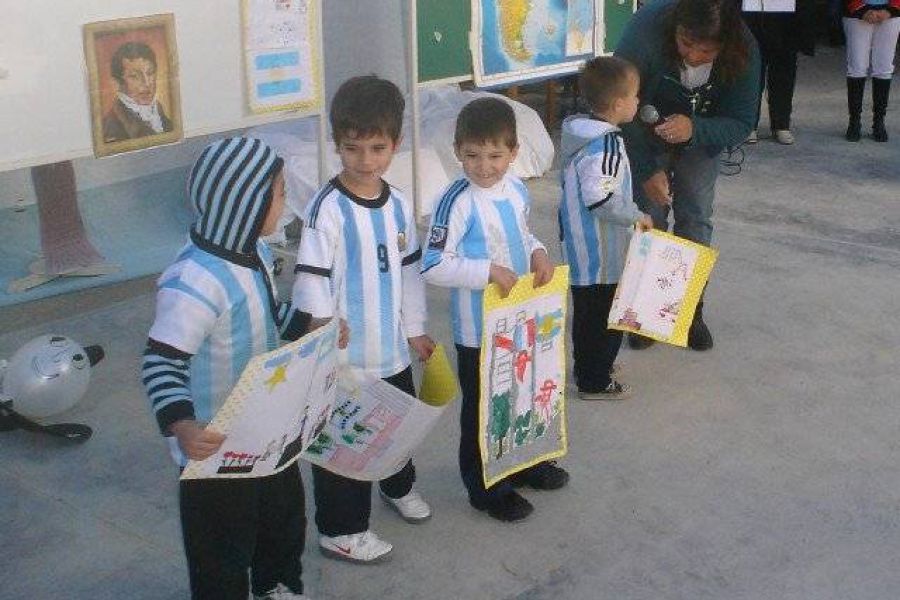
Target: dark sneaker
x: 614, y: 391
x: 508, y: 508
x: 699, y: 337
x: 639, y: 342
x: 542, y: 476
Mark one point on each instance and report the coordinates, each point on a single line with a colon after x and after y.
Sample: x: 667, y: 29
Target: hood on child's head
x: 230, y: 187
x: 580, y: 130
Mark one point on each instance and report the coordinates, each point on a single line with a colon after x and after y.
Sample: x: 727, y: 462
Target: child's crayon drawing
x: 523, y: 376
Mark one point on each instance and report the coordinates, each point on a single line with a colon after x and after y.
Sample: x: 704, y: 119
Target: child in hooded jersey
x: 479, y: 235
x: 215, y: 309
x: 359, y: 259
x: 596, y: 217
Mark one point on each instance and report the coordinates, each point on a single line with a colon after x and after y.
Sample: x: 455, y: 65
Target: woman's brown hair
x: 716, y: 21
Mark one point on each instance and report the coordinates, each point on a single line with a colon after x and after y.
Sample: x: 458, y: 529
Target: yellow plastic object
x: 439, y: 386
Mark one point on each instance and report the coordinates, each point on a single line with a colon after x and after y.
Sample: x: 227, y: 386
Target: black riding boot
x: 856, y: 87
x: 699, y: 337
x: 881, y: 91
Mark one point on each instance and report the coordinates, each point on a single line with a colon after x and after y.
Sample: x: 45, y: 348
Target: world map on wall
x: 532, y: 38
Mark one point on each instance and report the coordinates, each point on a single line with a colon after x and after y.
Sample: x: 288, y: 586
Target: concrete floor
x: 767, y: 468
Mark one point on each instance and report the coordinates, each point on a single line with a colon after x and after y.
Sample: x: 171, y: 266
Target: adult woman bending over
x: 699, y: 68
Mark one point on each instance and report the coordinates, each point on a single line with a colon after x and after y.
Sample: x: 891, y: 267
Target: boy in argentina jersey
x: 216, y: 308
x: 596, y: 216
x: 479, y: 234
x: 359, y: 260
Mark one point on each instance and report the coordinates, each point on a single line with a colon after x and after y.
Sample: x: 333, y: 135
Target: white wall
x: 360, y: 37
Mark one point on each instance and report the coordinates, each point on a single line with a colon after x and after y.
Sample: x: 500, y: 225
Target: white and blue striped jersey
x: 597, y: 211
x: 471, y: 228
x: 216, y: 306
x: 359, y: 260
x: 219, y: 314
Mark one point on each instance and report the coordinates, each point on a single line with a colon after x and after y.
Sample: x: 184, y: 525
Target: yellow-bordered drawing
x: 522, y: 409
x: 663, y: 280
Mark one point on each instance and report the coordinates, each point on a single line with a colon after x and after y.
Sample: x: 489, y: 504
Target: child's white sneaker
x: 281, y: 592
x: 363, y: 548
x: 411, y: 507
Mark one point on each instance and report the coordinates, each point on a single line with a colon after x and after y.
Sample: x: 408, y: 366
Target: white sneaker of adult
x: 281, y: 592
x: 753, y: 137
x: 412, y: 507
x: 784, y: 136
x: 363, y: 548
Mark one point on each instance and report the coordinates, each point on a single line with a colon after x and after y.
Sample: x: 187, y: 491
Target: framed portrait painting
x: 134, y: 90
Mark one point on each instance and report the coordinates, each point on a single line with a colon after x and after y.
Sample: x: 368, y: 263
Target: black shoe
x: 879, y: 133
x: 508, y: 508
x: 639, y: 342
x: 699, y: 337
x: 854, y: 131
x: 542, y: 476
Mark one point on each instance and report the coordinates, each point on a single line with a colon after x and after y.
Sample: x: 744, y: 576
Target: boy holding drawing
x: 359, y: 259
x: 596, y: 216
x: 479, y: 235
x: 216, y: 308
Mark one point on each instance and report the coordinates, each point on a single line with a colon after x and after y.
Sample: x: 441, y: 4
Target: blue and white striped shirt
x: 471, y: 228
x: 359, y: 259
x: 596, y: 212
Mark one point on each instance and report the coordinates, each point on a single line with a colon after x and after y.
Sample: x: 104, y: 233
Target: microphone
x: 649, y: 115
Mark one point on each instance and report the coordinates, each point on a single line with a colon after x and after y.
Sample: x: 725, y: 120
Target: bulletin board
x: 616, y: 14
x: 44, y: 101
x: 443, y: 40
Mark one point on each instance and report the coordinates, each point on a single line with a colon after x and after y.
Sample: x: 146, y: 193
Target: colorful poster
x: 373, y: 429
x: 521, y: 409
x: 279, y: 405
x: 517, y: 40
x: 281, y: 48
x: 662, y: 282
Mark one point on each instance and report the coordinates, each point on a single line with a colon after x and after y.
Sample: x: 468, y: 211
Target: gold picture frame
x: 132, y: 69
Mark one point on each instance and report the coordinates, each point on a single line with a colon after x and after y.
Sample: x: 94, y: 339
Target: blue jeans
x: 694, y: 189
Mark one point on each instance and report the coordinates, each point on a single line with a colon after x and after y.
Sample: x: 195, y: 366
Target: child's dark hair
x: 367, y: 106
x: 605, y: 79
x: 486, y: 120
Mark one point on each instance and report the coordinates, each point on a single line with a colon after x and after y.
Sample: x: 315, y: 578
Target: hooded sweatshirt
x: 216, y: 306
x: 596, y: 212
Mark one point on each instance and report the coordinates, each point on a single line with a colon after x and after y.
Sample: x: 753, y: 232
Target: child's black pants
x: 343, y: 505
x: 594, y: 345
x: 232, y: 525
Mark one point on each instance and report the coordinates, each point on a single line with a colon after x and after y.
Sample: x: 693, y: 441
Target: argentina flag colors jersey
x: 597, y: 212
x: 472, y: 227
x: 216, y: 306
x: 359, y: 259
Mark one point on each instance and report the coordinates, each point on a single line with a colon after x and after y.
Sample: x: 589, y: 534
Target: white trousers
x: 871, y: 48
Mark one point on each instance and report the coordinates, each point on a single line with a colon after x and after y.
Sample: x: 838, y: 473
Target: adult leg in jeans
x: 694, y: 190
